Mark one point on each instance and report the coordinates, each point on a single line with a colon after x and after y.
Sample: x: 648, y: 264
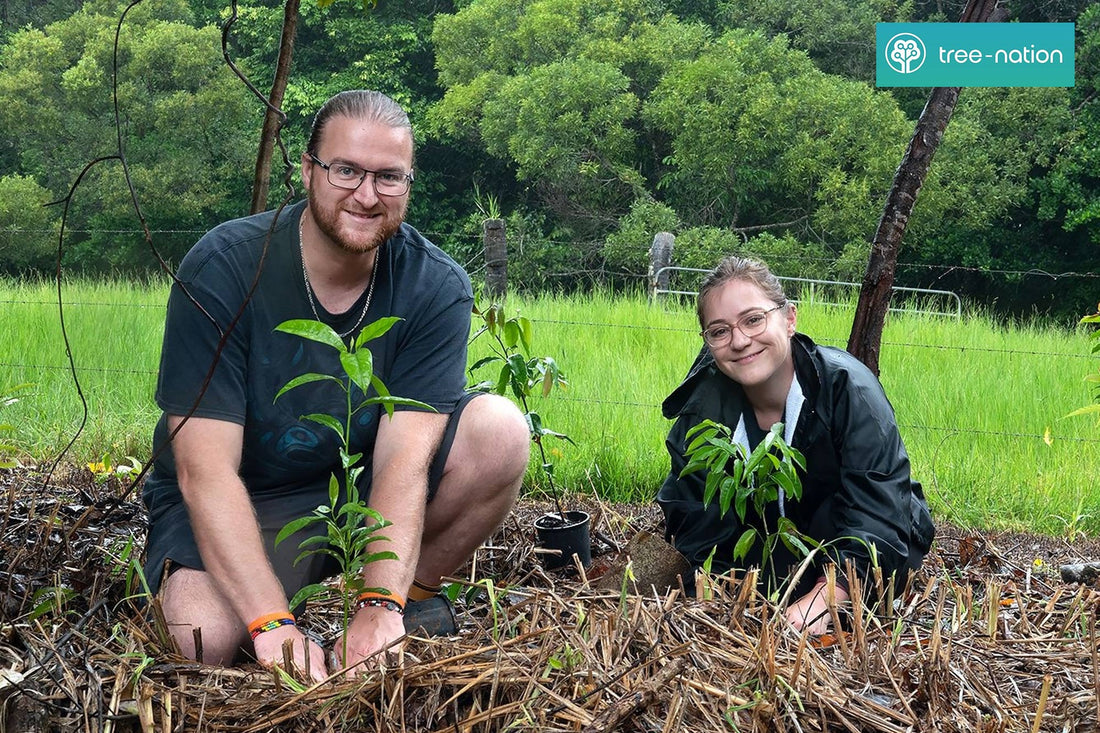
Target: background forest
x: 587, y: 124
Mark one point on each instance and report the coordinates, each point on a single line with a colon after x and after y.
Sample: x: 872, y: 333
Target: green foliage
x: 521, y: 374
x: 1092, y: 379
x: 7, y: 399
x: 761, y: 137
x: 28, y: 230
x: 737, y: 477
x: 51, y: 601
x: 554, y: 88
x: 704, y: 247
x: 351, y: 526
x: 607, y: 104
x: 628, y: 248
x: 185, y: 125
x: 839, y: 35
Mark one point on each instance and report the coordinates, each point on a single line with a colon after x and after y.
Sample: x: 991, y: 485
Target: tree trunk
x: 874, y: 295
x: 274, y: 117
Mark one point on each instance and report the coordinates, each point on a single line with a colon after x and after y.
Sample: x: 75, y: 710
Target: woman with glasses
x: 858, y: 498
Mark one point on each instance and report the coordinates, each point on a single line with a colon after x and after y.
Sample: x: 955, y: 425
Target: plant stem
x: 549, y: 475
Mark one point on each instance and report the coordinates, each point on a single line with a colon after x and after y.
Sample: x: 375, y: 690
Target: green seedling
x: 737, y: 477
x: 519, y: 374
x: 350, y: 527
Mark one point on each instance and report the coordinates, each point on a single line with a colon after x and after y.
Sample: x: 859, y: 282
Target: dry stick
x: 196, y: 634
x: 1042, y: 703
x: 830, y: 599
x: 610, y: 718
x: 1095, y: 664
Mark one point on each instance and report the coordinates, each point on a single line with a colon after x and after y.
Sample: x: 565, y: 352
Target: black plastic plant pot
x: 566, y: 536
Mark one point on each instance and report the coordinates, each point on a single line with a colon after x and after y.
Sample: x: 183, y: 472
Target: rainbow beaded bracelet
x: 269, y: 622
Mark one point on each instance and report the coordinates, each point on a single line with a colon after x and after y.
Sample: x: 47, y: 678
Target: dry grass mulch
x: 988, y: 638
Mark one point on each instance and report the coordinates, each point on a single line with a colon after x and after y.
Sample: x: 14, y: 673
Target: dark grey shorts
x: 171, y: 543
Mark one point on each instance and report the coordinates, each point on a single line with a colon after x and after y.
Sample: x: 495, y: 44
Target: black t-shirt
x: 422, y: 357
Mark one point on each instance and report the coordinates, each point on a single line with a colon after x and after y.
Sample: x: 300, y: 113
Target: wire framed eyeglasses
x: 751, y: 324
x: 350, y: 177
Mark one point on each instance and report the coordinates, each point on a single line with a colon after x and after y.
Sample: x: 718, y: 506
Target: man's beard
x: 328, y: 221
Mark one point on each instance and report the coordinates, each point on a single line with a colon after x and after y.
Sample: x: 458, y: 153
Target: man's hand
x: 269, y: 651
x: 811, y: 611
x: 370, y: 631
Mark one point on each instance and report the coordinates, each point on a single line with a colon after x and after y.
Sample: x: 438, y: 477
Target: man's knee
x: 197, y: 614
x: 492, y: 435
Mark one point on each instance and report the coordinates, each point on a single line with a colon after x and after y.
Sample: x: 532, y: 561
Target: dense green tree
x: 602, y: 104
x: 554, y: 89
x: 28, y: 229
x: 16, y: 14
x: 839, y: 35
x: 762, y: 138
x: 184, y: 120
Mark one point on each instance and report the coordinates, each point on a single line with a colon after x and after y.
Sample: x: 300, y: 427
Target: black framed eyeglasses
x: 350, y: 177
x: 751, y: 324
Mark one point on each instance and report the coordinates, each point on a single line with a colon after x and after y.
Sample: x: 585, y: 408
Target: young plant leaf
x: 744, y: 544
x: 294, y: 525
x: 359, y: 366
x: 314, y: 331
x: 305, y: 379
x: 309, y: 592
x: 327, y: 420
x: 375, y: 329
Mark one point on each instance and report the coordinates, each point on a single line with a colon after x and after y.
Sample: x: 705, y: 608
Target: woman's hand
x: 811, y: 611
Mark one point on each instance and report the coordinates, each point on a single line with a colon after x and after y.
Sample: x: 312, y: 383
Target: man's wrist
x: 270, y: 622
x: 389, y: 601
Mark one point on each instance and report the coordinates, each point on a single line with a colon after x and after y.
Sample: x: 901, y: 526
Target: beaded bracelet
x: 269, y: 622
x: 391, y: 601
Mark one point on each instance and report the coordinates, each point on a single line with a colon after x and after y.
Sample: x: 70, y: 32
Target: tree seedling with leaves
x: 738, y: 477
x: 350, y: 527
x: 520, y: 374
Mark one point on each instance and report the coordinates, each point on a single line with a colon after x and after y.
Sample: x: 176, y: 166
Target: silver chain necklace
x: 309, y: 288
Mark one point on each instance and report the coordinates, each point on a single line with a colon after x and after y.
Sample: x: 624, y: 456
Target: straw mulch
x: 987, y: 639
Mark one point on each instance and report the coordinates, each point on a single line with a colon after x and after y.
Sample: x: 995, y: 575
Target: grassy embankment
x: 974, y: 399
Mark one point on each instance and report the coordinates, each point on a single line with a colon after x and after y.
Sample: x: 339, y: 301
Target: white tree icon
x: 905, y: 53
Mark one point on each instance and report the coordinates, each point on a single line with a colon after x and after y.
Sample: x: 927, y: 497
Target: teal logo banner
x: 974, y: 54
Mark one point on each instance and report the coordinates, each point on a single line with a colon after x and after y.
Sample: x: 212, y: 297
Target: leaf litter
x: 987, y: 637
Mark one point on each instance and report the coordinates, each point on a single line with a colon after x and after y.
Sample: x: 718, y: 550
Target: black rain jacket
x: 856, y: 490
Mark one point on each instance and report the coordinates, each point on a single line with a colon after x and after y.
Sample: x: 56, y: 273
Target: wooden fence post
x: 496, y: 257
x: 660, y: 256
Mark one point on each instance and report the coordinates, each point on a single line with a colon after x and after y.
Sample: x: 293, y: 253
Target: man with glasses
x: 241, y: 465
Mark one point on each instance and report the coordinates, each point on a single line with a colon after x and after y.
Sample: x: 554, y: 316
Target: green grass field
x: 974, y: 399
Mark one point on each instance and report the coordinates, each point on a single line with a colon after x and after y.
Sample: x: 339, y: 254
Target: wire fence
x: 583, y: 328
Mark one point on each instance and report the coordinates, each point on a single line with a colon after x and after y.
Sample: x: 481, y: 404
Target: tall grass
x: 980, y: 404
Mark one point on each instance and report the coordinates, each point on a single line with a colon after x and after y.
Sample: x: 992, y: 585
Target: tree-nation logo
x: 905, y: 53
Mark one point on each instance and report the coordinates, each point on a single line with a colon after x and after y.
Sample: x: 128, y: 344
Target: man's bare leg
x: 191, y: 600
x: 480, y: 483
